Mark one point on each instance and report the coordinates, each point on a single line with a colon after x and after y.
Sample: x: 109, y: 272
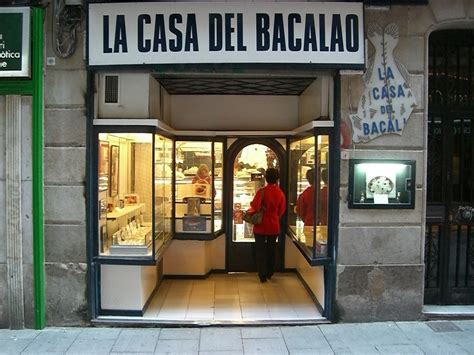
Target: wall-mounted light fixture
x: 68, y: 15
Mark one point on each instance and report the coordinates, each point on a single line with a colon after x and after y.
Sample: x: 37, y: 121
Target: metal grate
x: 111, y: 89
x: 443, y: 326
x: 235, y: 86
x: 451, y: 68
x: 432, y: 245
x: 449, y: 243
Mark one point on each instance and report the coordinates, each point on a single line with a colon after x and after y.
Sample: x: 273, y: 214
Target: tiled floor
x: 233, y: 298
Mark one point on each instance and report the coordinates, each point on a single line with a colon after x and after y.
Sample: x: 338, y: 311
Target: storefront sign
x: 387, y: 101
x: 164, y: 33
x: 14, y: 42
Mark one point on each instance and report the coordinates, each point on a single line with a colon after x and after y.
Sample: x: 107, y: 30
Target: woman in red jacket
x: 305, y: 203
x: 266, y: 233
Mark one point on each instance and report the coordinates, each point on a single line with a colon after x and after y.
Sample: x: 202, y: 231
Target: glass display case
x: 381, y: 183
x: 151, y: 188
x: 125, y: 194
x: 198, y: 194
x: 308, y: 194
x: 163, y: 184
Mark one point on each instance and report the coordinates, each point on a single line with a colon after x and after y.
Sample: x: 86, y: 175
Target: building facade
x: 391, y: 241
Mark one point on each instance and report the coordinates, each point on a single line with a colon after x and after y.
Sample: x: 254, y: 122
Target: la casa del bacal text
x: 177, y: 32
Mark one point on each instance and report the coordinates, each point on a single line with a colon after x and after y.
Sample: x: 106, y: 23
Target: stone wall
x: 21, y: 226
x: 64, y: 190
x: 381, y: 252
x: 380, y: 264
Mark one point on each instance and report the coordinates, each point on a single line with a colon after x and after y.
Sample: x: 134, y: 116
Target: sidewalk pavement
x: 436, y: 337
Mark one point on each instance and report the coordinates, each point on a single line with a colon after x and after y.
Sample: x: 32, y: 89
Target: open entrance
x: 170, y: 244
x: 449, y: 242
x: 248, y: 160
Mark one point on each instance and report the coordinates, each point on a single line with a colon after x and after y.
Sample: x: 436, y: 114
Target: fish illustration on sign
x: 387, y: 101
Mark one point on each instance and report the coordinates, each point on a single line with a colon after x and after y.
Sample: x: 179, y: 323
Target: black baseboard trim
x: 121, y: 312
x: 195, y: 277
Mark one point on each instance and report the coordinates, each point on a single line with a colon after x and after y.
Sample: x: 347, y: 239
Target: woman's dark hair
x: 310, y: 176
x: 324, y: 175
x: 272, y: 175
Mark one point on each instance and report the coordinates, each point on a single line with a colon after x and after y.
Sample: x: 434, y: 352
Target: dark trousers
x: 265, y: 254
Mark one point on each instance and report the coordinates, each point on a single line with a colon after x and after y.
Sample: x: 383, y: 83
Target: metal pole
x: 37, y: 146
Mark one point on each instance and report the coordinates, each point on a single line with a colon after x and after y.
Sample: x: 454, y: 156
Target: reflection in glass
x: 249, y: 176
x: 309, y: 166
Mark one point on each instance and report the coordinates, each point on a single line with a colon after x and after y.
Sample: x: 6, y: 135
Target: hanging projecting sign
x: 387, y: 101
x: 164, y: 33
x: 14, y: 41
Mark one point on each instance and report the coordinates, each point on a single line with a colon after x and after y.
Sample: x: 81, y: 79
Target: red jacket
x: 305, y: 206
x: 274, y: 203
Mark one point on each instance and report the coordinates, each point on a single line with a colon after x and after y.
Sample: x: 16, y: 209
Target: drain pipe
x: 37, y: 154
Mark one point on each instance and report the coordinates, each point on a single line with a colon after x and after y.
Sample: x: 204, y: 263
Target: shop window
x: 308, y: 194
x: 125, y: 170
x: 218, y: 182
x: 163, y: 183
x: 198, y: 199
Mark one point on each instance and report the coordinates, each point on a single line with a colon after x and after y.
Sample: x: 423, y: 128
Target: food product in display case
x: 191, y: 171
x: 238, y: 214
x: 194, y: 224
x: 198, y: 190
x: 129, y: 234
x: 131, y: 199
x: 381, y: 183
x: 201, y: 189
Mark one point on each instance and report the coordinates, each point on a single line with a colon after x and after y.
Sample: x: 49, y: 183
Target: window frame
x: 214, y: 234
x: 310, y: 254
x: 125, y: 259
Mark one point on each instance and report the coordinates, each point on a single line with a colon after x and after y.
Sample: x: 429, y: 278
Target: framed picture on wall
x: 114, y: 170
x: 103, y: 167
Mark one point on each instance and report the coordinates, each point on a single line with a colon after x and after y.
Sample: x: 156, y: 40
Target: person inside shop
x: 271, y: 200
x: 305, y: 203
x: 202, y: 175
x: 202, y: 178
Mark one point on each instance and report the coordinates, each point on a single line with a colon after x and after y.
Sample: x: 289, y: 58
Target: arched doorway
x: 247, y: 160
x: 449, y: 242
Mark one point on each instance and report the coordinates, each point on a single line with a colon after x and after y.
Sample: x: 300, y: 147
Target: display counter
x: 128, y: 233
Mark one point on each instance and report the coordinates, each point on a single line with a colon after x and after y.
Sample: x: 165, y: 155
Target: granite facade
x: 380, y: 253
